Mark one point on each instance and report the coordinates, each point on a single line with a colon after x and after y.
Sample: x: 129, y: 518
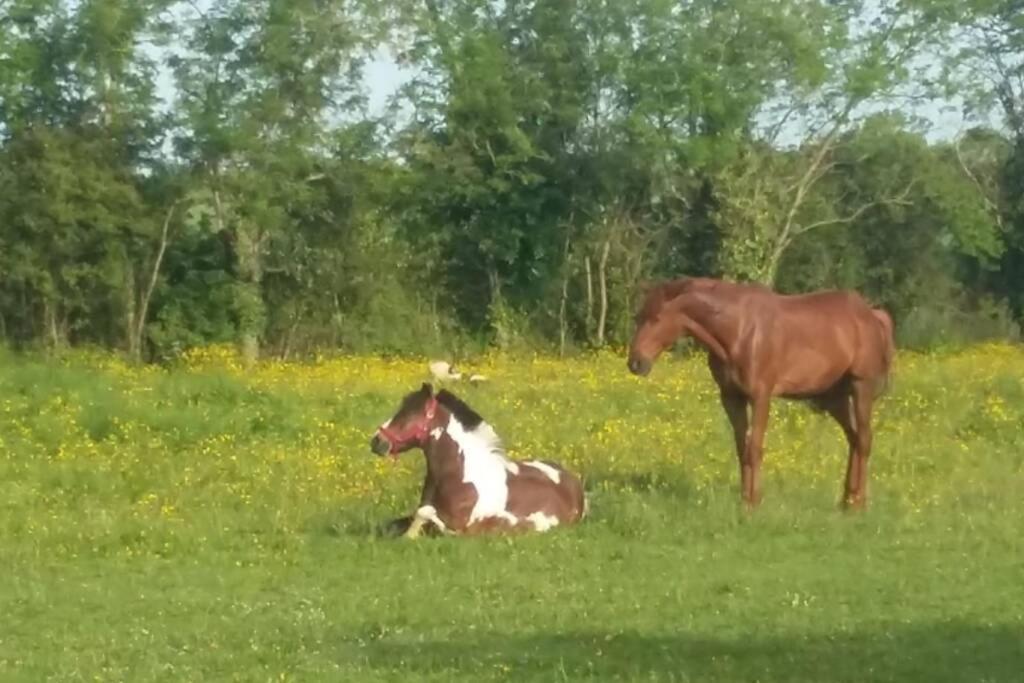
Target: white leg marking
x: 541, y: 521
x: 426, y: 513
x: 508, y: 517
x: 512, y: 467
x: 553, y: 474
x: 415, y: 526
x: 429, y: 513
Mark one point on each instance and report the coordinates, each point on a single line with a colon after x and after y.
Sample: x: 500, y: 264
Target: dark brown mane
x: 469, y: 418
x: 661, y: 294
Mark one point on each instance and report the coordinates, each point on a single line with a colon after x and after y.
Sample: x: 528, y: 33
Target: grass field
x: 202, y: 523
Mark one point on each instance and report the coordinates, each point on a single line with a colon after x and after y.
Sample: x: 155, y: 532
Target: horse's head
x: 410, y: 427
x: 657, y: 326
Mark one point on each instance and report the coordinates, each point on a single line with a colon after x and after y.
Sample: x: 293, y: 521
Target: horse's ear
x: 427, y: 388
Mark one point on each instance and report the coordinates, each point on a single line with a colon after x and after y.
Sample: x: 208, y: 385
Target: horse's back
x: 544, y: 486
x: 809, y: 342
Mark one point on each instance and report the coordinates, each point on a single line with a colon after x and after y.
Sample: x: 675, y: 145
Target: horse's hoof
x: 849, y: 504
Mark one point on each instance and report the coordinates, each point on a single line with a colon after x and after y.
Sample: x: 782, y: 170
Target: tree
x: 260, y: 83
x: 988, y: 72
x: 69, y: 222
x: 847, y: 67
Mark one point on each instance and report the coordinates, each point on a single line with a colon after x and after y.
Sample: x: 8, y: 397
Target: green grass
x: 203, y: 525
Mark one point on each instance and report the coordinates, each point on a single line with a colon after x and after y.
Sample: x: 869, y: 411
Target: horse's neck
x: 446, y: 443
x: 707, y: 322
x: 442, y: 457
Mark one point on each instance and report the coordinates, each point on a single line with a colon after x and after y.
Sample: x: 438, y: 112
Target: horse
x: 471, y: 486
x: 830, y: 348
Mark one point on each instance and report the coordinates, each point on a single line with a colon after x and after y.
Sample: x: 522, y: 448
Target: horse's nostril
x: 639, y: 366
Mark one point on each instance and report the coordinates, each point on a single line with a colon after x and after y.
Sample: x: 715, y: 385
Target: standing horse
x: 470, y: 486
x: 830, y: 348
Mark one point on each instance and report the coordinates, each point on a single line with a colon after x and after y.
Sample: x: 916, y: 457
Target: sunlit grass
x: 205, y: 522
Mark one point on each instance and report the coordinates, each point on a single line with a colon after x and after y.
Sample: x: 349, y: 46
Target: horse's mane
x: 474, y: 426
x: 662, y: 293
x: 708, y: 290
x: 469, y: 418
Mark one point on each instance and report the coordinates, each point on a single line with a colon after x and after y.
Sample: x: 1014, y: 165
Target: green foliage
x: 72, y: 221
x: 544, y: 159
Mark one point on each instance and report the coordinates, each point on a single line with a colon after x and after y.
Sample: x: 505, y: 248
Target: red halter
x: 414, y: 433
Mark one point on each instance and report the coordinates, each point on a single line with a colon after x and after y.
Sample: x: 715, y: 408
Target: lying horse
x: 471, y: 487
x: 830, y: 348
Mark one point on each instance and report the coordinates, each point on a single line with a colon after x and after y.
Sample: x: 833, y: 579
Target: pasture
x: 202, y: 523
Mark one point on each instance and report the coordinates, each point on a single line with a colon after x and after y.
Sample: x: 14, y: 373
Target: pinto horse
x: 471, y: 487
x: 830, y: 348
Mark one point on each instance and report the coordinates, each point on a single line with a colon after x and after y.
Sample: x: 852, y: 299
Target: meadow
x: 202, y: 523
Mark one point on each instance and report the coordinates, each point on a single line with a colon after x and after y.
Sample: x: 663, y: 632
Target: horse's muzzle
x: 380, y: 445
x: 639, y: 366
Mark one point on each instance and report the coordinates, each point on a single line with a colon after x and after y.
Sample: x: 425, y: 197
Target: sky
x: 383, y: 77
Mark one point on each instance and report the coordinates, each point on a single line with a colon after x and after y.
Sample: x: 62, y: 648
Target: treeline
x: 179, y: 173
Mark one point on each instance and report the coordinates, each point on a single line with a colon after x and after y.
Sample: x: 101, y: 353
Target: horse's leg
x: 863, y: 398
x: 840, y: 407
x: 755, y: 444
x: 424, y: 514
x: 735, y: 405
x: 426, y: 497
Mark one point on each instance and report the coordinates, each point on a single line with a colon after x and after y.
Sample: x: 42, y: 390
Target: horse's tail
x: 884, y: 321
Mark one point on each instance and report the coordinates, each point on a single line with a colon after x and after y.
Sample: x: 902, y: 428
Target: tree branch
x: 989, y: 204
x: 898, y: 200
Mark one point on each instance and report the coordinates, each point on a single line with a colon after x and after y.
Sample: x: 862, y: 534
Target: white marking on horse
x: 508, y: 517
x: 429, y: 514
x: 552, y: 473
x: 541, y: 521
x: 512, y: 467
x: 436, y: 432
x: 485, y: 466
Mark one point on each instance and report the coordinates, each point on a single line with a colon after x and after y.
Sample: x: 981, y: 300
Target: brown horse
x: 470, y: 486
x: 830, y: 348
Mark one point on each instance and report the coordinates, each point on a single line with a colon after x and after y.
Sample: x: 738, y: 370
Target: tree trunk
x: 602, y: 282
x: 289, y: 338
x: 436, y: 320
x: 563, y: 325
x: 590, y: 300
x: 147, y: 294
x: 771, y: 269
x: 497, y: 311
x: 131, y: 312
x: 249, y: 304
x: 50, y: 323
x: 249, y: 300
